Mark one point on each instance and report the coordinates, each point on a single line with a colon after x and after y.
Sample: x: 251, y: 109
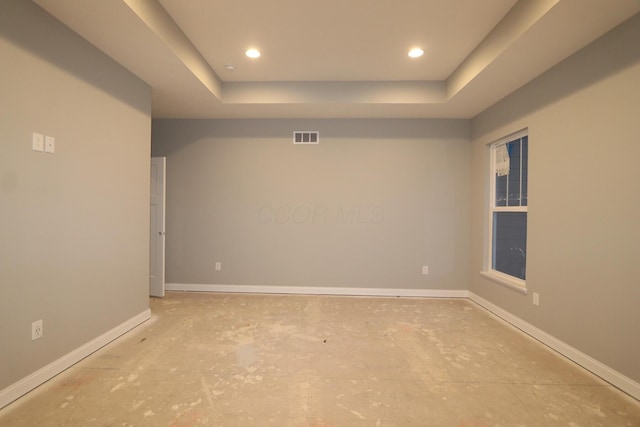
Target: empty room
x: 337, y: 213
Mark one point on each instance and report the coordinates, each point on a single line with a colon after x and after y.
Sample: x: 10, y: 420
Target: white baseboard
x: 612, y: 376
x: 25, y: 385
x: 302, y: 290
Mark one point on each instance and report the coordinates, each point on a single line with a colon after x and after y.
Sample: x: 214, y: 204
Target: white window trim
x: 505, y: 280
x: 488, y: 272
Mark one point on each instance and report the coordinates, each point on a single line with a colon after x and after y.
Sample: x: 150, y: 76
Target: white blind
x: 502, y: 160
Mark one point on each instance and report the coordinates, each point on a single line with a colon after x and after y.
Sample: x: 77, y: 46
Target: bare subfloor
x: 266, y: 360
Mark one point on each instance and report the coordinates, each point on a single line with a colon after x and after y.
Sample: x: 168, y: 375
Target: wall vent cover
x: 306, y: 137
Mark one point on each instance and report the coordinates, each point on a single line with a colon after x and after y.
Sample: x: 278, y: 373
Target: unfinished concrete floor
x: 267, y: 360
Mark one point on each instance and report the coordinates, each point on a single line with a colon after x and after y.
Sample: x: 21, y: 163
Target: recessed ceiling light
x: 416, y: 52
x: 253, y: 53
x: 230, y: 67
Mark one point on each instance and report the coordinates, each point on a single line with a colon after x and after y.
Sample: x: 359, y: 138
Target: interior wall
x: 74, y: 225
x: 583, y: 230
x: 367, y: 207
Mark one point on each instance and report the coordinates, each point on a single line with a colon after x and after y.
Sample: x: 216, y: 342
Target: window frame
x: 488, y: 271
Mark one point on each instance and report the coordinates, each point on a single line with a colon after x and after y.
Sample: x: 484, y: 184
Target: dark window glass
x: 513, y: 183
x: 510, y: 243
x: 501, y: 190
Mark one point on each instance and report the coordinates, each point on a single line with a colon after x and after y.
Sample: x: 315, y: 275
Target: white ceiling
x: 336, y: 58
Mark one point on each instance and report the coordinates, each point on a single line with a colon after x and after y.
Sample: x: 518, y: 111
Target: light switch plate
x: 37, y: 142
x: 49, y: 144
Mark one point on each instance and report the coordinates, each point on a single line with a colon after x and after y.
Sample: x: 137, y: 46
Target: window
x: 507, y: 243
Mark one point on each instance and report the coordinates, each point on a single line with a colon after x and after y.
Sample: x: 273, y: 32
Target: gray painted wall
x: 74, y: 225
x: 367, y: 207
x: 584, y: 181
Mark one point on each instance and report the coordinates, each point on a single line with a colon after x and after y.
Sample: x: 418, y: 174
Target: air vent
x: 306, y: 137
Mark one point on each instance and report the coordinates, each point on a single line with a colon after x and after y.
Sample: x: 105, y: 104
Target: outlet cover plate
x: 36, y: 330
x: 37, y: 142
x: 49, y: 144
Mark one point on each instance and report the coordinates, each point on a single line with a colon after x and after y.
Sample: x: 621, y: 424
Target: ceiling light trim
x: 415, y: 52
x: 252, y: 53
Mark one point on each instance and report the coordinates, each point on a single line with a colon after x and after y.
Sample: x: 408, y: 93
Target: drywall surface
x: 74, y: 225
x: 583, y: 231
x: 367, y: 207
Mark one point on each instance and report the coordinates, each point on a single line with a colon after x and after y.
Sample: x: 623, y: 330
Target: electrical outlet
x: 49, y: 144
x: 425, y: 270
x: 218, y: 266
x: 536, y: 299
x: 36, y: 330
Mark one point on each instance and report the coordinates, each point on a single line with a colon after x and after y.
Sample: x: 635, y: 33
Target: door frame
x: 157, y: 211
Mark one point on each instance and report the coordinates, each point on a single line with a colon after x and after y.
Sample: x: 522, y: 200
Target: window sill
x: 505, y: 280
